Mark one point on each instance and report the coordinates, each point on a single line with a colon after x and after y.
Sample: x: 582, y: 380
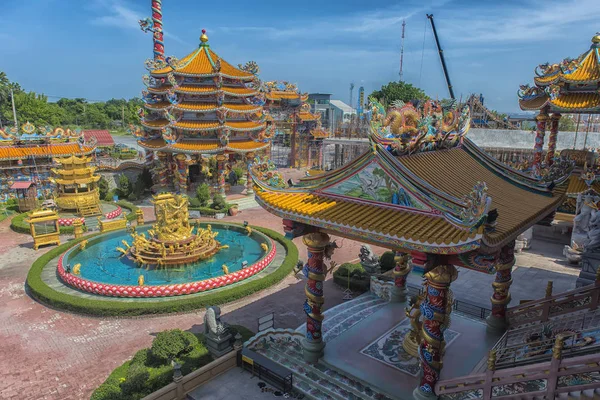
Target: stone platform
x: 364, y: 358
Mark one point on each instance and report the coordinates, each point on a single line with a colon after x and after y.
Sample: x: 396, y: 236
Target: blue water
x: 100, y: 262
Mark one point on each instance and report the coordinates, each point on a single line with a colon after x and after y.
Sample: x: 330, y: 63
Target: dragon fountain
x: 172, y: 240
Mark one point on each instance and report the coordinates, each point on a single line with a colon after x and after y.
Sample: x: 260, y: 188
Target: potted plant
x: 233, y: 210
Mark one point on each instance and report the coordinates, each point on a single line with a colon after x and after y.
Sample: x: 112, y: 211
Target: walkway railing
x: 544, y: 380
x: 584, y: 298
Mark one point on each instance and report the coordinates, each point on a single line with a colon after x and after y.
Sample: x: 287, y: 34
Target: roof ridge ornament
x: 203, y: 38
x: 476, y: 206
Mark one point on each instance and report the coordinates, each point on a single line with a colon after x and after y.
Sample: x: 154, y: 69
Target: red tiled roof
x: 21, y: 185
x: 103, y: 137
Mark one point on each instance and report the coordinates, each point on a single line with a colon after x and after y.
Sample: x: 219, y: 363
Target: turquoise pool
x: 102, y: 263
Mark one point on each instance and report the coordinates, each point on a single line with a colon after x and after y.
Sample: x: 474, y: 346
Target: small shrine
x: 172, y: 240
x: 44, y: 228
x: 427, y: 192
x: 570, y: 86
x: 290, y: 115
x: 77, y: 185
x: 198, y: 106
x: 26, y: 195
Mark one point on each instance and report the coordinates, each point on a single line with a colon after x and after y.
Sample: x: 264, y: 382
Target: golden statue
x: 77, y: 269
x: 413, y: 339
x: 225, y: 269
x: 264, y: 247
x: 171, y: 239
x: 141, y: 280
x: 83, y: 244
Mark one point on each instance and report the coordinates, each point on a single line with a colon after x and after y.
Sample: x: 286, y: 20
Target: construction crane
x: 437, y: 42
x: 402, y: 49
x: 351, y: 91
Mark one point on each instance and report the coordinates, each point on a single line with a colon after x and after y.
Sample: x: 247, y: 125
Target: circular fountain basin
x: 104, y: 271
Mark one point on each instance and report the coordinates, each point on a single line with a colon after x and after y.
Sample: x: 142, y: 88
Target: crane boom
x: 437, y: 42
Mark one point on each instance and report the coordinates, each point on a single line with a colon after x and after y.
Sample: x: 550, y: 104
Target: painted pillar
x: 159, y: 47
x: 249, y: 190
x: 501, y: 296
x: 315, y: 270
x: 182, y: 172
x: 554, y: 120
x: 293, y: 143
x: 77, y: 228
x: 401, y: 271
x: 221, y: 173
x: 161, y: 169
x: 539, y: 139
x: 435, y: 309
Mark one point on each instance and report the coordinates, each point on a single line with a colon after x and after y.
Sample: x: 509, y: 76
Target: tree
x: 403, y: 91
x: 567, y: 124
x: 124, y: 187
x: 203, y: 194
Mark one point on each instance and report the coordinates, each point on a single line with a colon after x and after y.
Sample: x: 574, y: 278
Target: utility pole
x: 351, y: 91
x: 402, y: 49
x: 123, y: 116
x: 12, y: 96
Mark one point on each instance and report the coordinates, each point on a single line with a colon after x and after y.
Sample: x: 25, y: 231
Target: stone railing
x: 584, y: 298
x: 544, y: 380
x: 182, y: 385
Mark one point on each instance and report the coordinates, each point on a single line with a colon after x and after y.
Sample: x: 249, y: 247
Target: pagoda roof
x: 570, y: 86
x: 234, y: 91
x: 204, y: 146
x: 102, y: 137
x: 75, y: 171
x: 15, y: 152
x: 203, y: 62
x: 443, y: 196
x: 205, y: 107
x: 73, y: 160
x: 242, y: 126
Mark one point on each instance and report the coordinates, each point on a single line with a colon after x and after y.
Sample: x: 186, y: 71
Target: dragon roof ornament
x: 407, y: 128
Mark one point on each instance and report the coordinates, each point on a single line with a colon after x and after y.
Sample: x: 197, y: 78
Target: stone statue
x: 586, y: 228
x: 212, y: 322
x: 368, y: 259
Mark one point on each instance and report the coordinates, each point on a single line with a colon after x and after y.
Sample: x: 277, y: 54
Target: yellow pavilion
x: 200, y: 105
x: 76, y: 185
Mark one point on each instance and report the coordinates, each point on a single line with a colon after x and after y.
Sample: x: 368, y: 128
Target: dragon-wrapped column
x: 182, y: 173
x: 501, y: 296
x: 221, y: 173
x: 554, y: 120
x: 249, y: 190
x: 161, y: 168
x: 315, y: 270
x: 435, y: 310
x: 401, y: 271
x: 541, y: 120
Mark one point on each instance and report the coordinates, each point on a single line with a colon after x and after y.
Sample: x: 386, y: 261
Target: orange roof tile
x: 158, y: 106
x: 307, y: 116
x: 48, y: 150
x: 198, y: 125
x: 157, y: 123
x: 588, y: 70
x: 278, y: 95
x: 190, y: 106
x: 577, y: 100
x: 201, y: 62
x: 203, y: 146
x: 233, y: 91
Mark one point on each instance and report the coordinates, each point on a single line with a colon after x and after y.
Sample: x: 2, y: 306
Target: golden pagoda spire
x: 596, y: 39
x: 203, y: 38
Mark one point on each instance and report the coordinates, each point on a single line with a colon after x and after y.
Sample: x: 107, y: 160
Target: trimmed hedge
x: 42, y: 292
x: 19, y: 225
x: 359, y: 278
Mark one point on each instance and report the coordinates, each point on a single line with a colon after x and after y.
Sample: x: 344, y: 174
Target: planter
x: 219, y: 215
x: 233, y: 211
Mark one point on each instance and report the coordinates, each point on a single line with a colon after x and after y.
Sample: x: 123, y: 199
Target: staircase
x: 88, y: 207
x: 314, y: 381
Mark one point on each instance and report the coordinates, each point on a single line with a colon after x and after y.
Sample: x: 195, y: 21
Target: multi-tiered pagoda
x: 200, y: 105
x: 77, y: 185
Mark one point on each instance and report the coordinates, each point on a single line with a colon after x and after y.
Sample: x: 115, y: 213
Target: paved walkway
x: 49, y: 354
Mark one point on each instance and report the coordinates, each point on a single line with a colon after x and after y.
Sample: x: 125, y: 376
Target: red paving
x: 49, y: 354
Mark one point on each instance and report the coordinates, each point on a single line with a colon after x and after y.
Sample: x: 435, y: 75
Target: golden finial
x: 204, y: 37
x: 596, y: 39
x: 491, y: 363
x: 549, y: 289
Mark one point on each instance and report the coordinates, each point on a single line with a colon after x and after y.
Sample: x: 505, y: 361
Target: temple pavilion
x: 425, y: 190
x: 290, y: 115
x: 200, y: 105
x: 77, y: 185
x: 571, y: 86
x: 27, y: 156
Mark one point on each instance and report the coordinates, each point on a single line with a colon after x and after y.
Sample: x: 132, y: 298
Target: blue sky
x: 95, y: 49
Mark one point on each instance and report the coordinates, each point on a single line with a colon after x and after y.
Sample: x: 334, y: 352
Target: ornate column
x: 249, y: 190
x: 401, y: 271
x: 554, y: 120
x: 77, y: 228
x: 221, y: 173
x: 501, y: 296
x: 541, y: 119
x: 161, y: 169
x: 139, y: 214
x: 315, y: 270
x: 435, y: 309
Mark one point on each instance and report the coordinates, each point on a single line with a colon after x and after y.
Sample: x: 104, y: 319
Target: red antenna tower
x: 402, y: 49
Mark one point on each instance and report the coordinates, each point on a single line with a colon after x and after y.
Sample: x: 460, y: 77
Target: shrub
x: 218, y: 202
x: 239, y: 172
x: 141, y: 357
x: 124, y: 186
x: 203, y: 194
x: 191, y: 341
x: 107, y: 391
x: 359, y: 278
x: 386, y: 261
x: 103, y: 187
x: 45, y: 294
x: 136, y: 379
x: 194, y: 202
x: 168, y: 345
x: 109, y: 195
x: 131, y: 207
